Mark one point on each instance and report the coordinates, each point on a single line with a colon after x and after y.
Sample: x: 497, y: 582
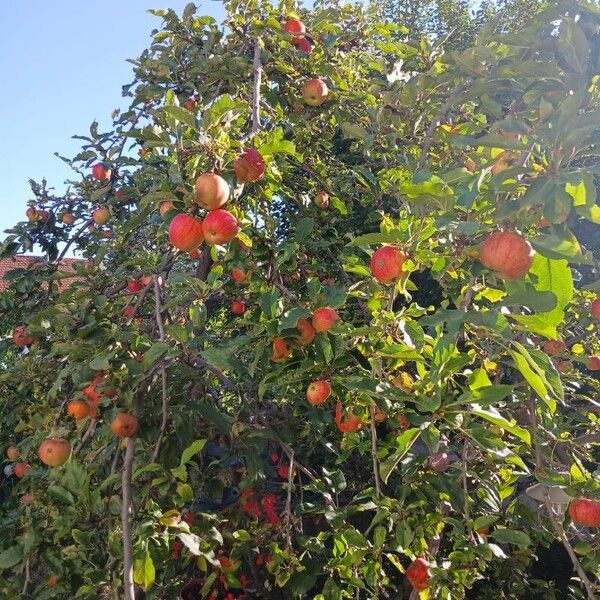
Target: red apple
x: 21, y: 469
x: 295, y: 27
x: 31, y: 214
x: 303, y: 44
x: 387, y: 263
x: 593, y: 363
x: 318, y: 392
x: 185, y: 232
x: 68, y: 218
x: 190, y: 103
x: 507, y: 253
x: 219, y: 227
x: 307, y: 332
x: 195, y: 253
x: 563, y: 366
x: 134, y: 286
x: 43, y: 215
x: 238, y: 275
x: 418, y: 574
x: 238, y: 307
x: 438, y: 462
x: 212, y: 191
x: 101, y: 215
x: 128, y: 312
x: 100, y: 173
x: 12, y: 452
x: 164, y: 207
x: 584, y: 511
x: 250, y: 166
x: 554, y: 347
x: 324, y: 318
x: 322, y: 199
x: 54, y: 451
x: 281, y: 350
x: 595, y: 309
x: 315, y: 92
x: 20, y: 337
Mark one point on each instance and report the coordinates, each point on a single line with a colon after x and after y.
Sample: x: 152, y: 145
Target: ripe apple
x: 238, y: 275
x: 134, y: 286
x: 281, y: 350
x: 295, y: 27
x: 318, y: 392
x: 101, y: 215
x: 387, y: 263
x: 54, y: 451
x: 219, y: 227
x: 21, y: 469
x: 20, y: 337
x: 43, y: 215
x: 554, y: 347
x: 124, y: 425
x: 238, y: 307
x: 322, y: 199
x: 584, y: 511
x: 68, y: 218
x: 190, y: 103
x: 315, y: 92
x: 563, y: 366
x: 185, y: 232
x: 128, y: 312
x: 418, y: 574
x: 52, y: 581
x: 324, y: 318
x: 595, y: 309
x: 593, y: 363
x: 212, y: 191
x: 250, y: 166
x: 31, y: 213
x: 307, y: 332
x: 303, y: 44
x: 78, y: 409
x: 164, y: 207
x: 12, y: 452
x: 507, y: 253
x: 438, y: 462
x: 100, y: 173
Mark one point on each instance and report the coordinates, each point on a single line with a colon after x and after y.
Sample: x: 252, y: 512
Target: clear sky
x: 62, y: 64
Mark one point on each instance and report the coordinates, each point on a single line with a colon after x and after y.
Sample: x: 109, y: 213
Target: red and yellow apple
x: 507, y: 253
x: 318, y: 392
x: 185, y: 232
x: 315, y: 92
x: 54, y: 451
x: 324, y: 318
x: 387, y: 263
x: 250, y: 166
x: 211, y: 191
x: 219, y: 227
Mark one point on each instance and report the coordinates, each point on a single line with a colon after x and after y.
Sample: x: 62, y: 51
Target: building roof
x: 67, y: 265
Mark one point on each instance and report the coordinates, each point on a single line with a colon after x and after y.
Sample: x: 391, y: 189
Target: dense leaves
x: 449, y: 441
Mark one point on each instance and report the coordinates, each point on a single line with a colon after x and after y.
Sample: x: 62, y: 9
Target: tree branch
x: 257, y: 71
x: 428, y: 141
x: 374, y: 452
x: 556, y: 524
x: 163, y: 373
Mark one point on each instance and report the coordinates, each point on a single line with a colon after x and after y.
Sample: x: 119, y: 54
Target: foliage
x: 427, y: 149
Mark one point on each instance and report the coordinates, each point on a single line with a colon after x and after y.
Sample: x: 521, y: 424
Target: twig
x: 288, y: 502
x: 126, y: 521
x: 140, y: 300
x: 428, y: 141
x: 465, y: 486
x: 223, y: 379
x: 257, y: 71
x: 374, y: 452
x: 27, y: 577
x: 73, y: 240
x: 163, y: 372
x: 557, y: 526
x: 88, y: 433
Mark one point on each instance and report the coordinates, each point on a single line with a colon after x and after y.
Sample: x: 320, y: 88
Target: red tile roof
x: 30, y: 262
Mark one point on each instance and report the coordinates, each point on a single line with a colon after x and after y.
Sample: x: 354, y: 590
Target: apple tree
x: 334, y: 333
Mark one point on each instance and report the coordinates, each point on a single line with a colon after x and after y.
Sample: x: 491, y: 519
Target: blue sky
x: 62, y: 64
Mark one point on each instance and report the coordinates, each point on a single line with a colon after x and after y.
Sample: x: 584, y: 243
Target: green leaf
x: 369, y: 239
x: 304, y: 228
x: 143, y: 571
x: 555, y: 246
x: 510, y: 536
x: 403, y: 443
x: 493, y: 416
x: 353, y: 131
x: 290, y: 318
x: 155, y: 351
x: 181, y: 114
x: 10, y: 557
x: 191, y: 451
x: 191, y: 541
